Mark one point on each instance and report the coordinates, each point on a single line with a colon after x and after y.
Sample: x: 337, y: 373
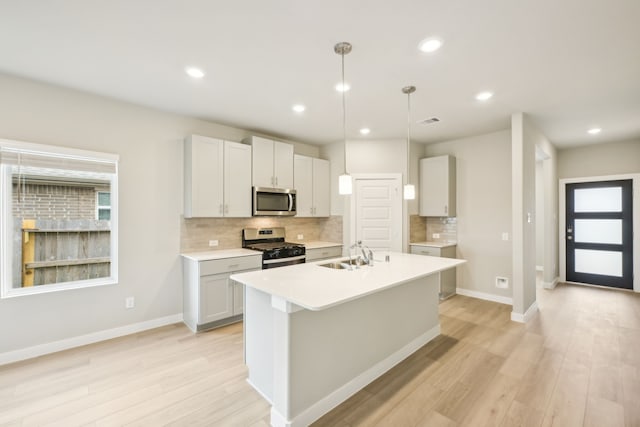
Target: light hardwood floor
x: 576, y: 363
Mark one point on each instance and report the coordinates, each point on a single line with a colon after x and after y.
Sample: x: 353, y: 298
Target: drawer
x: 425, y: 250
x: 226, y: 265
x: 324, y: 253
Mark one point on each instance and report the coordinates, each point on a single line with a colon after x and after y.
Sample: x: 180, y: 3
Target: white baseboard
x: 338, y: 396
x: 65, y: 344
x: 484, y: 296
x: 524, y: 318
x: 550, y: 285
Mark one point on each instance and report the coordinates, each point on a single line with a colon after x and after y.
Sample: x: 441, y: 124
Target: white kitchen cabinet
x: 318, y: 254
x: 447, y: 277
x: 210, y: 297
x: 312, y: 184
x: 272, y: 163
x: 438, y: 186
x: 213, y: 185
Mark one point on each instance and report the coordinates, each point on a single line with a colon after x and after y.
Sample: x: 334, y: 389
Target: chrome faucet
x: 367, y: 256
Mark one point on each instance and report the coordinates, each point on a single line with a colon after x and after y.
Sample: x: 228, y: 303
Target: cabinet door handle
x: 221, y: 210
x: 231, y: 266
x: 445, y: 208
x: 276, y: 181
x: 226, y: 208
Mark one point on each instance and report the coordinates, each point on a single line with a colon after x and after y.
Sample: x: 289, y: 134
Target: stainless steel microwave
x: 273, y: 202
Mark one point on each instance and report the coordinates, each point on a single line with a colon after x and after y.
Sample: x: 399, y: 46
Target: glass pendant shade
x: 409, y: 192
x: 344, y: 184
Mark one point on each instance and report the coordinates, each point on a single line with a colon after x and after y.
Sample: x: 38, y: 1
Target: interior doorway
x: 376, y: 211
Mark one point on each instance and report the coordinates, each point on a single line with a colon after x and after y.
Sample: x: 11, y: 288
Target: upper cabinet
x: 438, y: 186
x: 213, y: 186
x: 272, y: 163
x: 312, y: 184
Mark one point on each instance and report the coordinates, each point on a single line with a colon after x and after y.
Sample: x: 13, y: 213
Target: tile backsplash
x: 417, y: 228
x: 447, y: 228
x: 196, y: 232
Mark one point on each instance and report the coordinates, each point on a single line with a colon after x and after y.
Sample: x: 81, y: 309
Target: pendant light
x: 409, y: 189
x: 344, y: 180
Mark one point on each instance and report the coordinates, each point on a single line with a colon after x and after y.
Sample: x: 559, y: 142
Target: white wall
x: 149, y: 143
x: 523, y: 149
x: 599, y: 160
x: 539, y: 214
x: 483, y: 175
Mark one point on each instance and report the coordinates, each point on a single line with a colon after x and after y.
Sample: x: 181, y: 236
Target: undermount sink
x: 335, y: 265
x: 344, y: 264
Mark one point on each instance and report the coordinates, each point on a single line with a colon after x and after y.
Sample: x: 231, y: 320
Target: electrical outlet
x: 129, y: 302
x: 502, y: 282
x: 505, y: 236
x: 300, y: 236
x: 435, y: 235
x: 213, y: 243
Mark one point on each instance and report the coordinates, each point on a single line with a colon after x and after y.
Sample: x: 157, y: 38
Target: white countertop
x: 434, y: 244
x: 220, y: 254
x: 317, y: 288
x: 320, y: 245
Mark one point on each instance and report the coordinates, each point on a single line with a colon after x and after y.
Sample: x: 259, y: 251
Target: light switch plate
x: 435, y: 235
x: 505, y: 236
x: 300, y: 236
x: 213, y: 243
x: 129, y: 302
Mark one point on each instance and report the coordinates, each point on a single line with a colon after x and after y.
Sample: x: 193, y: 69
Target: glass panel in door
x: 599, y: 233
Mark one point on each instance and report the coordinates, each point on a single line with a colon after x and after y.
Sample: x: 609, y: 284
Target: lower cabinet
x: 447, y: 277
x: 318, y: 254
x: 211, y: 298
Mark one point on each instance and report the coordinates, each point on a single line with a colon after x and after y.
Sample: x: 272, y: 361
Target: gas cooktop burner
x: 272, y: 245
x: 271, y: 242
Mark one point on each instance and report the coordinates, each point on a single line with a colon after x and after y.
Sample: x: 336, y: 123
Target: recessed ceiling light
x: 299, y: 108
x: 430, y: 45
x: 194, y: 72
x: 594, y: 131
x: 483, y: 96
x: 340, y: 88
x: 365, y: 131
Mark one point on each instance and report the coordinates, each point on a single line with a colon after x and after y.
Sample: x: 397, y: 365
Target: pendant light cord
x: 344, y: 117
x: 408, y: 135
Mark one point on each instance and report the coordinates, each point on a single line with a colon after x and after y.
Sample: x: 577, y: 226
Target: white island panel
x: 315, y: 336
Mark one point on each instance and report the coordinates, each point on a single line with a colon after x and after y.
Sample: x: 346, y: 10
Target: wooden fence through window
x: 56, y: 251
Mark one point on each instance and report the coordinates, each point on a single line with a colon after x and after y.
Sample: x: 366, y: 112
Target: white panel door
x: 378, y: 222
x: 237, y: 180
x: 321, y: 187
x: 205, y: 170
x: 262, y: 162
x: 303, y: 183
x: 283, y: 164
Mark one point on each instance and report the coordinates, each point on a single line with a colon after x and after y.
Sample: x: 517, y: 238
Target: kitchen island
x: 316, y: 335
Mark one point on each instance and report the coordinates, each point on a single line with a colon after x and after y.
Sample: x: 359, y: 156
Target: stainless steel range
x: 275, y: 251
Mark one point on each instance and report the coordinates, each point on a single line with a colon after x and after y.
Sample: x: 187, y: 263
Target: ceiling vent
x: 428, y: 121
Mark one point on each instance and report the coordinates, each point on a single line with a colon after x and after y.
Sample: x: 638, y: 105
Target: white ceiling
x: 571, y: 64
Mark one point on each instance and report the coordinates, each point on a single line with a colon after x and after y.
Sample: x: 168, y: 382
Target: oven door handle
x: 290, y: 202
x: 276, y: 261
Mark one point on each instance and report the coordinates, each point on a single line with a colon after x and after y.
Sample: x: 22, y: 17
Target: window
x: 103, y: 205
x: 58, y: 226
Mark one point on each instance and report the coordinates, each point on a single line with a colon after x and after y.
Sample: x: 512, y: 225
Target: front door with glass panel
x: 599, y: 233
